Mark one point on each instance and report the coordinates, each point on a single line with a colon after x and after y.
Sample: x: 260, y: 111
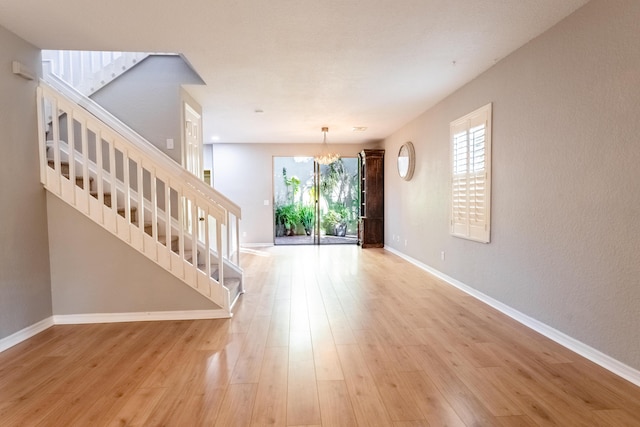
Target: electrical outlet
x: 169, y: 144
x: 405, y: 242
x: 442, y: 255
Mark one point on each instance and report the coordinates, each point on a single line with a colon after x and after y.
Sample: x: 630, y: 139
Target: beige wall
x: 244, y: 173
x: 25, y: 292
x: 566, y: 207
x: 93, y: 271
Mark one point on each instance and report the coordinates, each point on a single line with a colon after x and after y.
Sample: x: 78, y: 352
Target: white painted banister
x: 89, y: 71
x: 136, y: 192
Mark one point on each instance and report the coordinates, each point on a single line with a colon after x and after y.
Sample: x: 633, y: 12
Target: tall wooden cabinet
x: 371, y: 224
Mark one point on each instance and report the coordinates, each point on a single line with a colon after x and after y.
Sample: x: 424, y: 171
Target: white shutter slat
x: 470, y: 184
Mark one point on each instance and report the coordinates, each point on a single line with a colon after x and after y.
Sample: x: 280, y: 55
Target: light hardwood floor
x: 330, y: 336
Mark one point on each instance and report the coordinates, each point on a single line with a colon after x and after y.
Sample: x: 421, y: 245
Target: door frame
x: 316, y: 237
x: 190, y: 108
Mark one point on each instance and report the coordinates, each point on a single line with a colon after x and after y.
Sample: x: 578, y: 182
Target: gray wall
x: 25, y: 291
x: 93, y: 271
x: 566, y: 207
x: 244, y: 173
x: 148, y: 98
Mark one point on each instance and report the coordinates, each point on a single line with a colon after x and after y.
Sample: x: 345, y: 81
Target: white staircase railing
x: 89, y: 71
x: 136, y: 192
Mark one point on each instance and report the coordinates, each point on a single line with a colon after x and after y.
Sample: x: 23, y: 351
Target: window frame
x: 470, y: 148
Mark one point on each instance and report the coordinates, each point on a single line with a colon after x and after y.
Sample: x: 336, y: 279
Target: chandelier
x: 326, y: 157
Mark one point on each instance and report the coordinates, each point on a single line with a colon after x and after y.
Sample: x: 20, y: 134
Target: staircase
x: 123, y: 183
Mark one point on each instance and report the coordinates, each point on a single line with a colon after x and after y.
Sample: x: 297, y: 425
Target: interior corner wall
x: 25, y: 289
x: 93, y: 272
x: 148, y: 98
x: 244, y: 174
x: 565, y: 234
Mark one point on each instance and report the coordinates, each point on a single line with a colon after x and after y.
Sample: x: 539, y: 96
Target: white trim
x: 78, y: 319
x: 255, y: 245
x: 25, y: 334
x: 596, y: 356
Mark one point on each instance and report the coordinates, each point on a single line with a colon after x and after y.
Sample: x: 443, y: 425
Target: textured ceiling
x: 305, y: 63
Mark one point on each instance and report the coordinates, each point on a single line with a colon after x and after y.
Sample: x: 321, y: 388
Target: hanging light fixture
x: 326, y: 157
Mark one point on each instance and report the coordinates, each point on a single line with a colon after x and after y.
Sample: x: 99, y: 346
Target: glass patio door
x: 313, y: 203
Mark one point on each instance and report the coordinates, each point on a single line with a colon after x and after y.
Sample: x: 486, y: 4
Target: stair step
x: 233, y: 284
x: 163, y: 239
x: 64, y: 167
x: 134, y: 214
x: 79, y: 180
x: 174, y: 242
x: 214, y: 270
x: 188, y: 255
x: 107, y: 197
x: 148, y: 228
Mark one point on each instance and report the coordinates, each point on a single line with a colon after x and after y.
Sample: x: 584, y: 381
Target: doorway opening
x: 313, y: 203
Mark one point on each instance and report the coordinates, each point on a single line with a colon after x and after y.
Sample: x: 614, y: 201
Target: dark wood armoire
x: 371, y: 224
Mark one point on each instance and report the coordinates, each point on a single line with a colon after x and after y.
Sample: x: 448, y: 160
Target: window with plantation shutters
x: 471, y: 175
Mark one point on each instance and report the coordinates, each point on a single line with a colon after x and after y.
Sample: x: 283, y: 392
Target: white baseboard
x: 25, y: 333
x: 596, y: 356
x: 255, y: 245
x: 77, y: 319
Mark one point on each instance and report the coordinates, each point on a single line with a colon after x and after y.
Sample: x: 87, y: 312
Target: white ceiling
x: 305, y: 63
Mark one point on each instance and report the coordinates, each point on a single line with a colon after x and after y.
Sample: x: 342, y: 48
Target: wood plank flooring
x: 330, y: 336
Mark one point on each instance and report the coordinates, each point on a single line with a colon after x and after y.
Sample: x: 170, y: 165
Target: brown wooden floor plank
x: 270, y: 407
x: 247, y: 368
x: 429, y: 400
x: 303, y: 407
x: 138, y: 408
x: 363, y: 393
x: 398, y: 397
x: 237, y: 406
x: 330, y: 336
x: 421, y: 423
x: 335, y: 404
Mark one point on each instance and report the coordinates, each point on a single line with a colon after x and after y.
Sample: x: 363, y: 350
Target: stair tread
x: 163, y: 239
x: 66, y: 175
x: 63, y: 163
x: 214, y: 267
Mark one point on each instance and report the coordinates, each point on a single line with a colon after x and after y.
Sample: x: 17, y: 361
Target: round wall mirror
x: 406, y: 161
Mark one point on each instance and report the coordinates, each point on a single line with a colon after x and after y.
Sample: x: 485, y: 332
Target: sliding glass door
x: 313, y: 203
